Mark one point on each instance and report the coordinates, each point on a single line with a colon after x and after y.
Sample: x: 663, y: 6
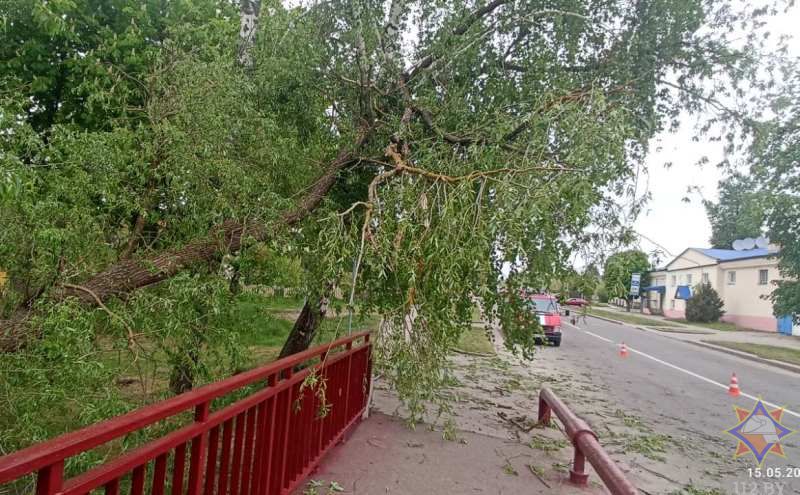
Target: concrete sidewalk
x: 383, y: 456
x: 489, y: 443
x: 710, y: 337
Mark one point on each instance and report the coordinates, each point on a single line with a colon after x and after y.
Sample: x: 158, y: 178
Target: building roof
x: 732, y: 254
x: 721, y: 256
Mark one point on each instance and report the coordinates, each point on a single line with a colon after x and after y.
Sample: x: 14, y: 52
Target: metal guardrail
x: 264, y: 443
x: 587, y: 447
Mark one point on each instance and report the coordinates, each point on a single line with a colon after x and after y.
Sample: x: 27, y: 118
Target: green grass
x: 277, y: 303
x: 630, y: 318
x: 475, y: 340
x: 546, y: 444
x: 715, y: 325
x: 476, y: 314
x: 765, y: 351
x: 650, y: 446
x: 260, y: 332
x: 254, y: 321
x: 680, y: 330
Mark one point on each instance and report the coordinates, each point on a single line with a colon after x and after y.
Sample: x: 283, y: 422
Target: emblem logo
x: 759, y: 432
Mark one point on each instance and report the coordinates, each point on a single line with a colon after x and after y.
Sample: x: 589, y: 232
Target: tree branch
x: 128, y: 275
x: 459, y: 30
x: 131, y: 334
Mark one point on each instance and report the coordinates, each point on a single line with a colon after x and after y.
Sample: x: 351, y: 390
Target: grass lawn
x: 259, y: 329
x: 476, y: 341
x: 674, y: 329
x: 716, y: 325
x: 761, y: 350
x: 278, y: 303
x: 630, y: 318
x: 476, y: 314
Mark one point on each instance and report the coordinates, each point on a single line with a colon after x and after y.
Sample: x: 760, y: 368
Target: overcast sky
x: 667, y: 220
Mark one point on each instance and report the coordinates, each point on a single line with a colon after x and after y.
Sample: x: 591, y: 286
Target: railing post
x: 50, y: 479
x: 198, y: 452
x: 349, y: 349
x: 283, y: 470
x: 367, y: 392
x: 578, y: 474
x: 269, y: 439
x: 322, y: 420
x: 544, y: 411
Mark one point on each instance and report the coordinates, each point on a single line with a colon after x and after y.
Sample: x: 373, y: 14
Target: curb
x: 744, y: 355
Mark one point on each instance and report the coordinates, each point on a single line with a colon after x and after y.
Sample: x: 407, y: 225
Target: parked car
x: 576, y: 301
x: 546, y: 308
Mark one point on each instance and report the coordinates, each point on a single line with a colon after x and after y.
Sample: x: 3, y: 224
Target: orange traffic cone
x: 623, y: 350
x: 733, y: 390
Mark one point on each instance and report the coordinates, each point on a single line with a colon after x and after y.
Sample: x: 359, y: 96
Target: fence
x: 586, y: 447
x: 264, y: 443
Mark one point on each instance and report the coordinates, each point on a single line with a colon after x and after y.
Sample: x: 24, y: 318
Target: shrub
x: 705, y: 305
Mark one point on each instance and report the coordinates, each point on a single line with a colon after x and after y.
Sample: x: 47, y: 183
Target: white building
x: 743, y: 280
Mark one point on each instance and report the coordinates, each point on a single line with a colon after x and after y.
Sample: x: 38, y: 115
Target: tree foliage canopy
x: 618, y: 270
x: 775, y: 158
x: 407, y: 151
x: 739, y: 212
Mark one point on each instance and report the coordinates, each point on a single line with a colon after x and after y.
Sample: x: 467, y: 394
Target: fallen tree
x: 416, y: 173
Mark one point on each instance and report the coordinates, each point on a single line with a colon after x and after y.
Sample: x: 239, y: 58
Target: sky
x: 667, y: 220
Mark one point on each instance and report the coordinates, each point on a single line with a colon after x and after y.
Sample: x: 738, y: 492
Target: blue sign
x: 636, y: 279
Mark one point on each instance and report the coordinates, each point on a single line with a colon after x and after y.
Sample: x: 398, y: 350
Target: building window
x: 689, y: 279
x: 674, y: 280
x: 763, y: 275
x: 731, y: 278
x: 705, y: 278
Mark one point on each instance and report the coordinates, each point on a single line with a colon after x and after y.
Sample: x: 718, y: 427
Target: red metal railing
x: 586, y: 447
x: 265, y: 443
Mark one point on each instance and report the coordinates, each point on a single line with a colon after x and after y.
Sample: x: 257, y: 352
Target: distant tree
x: 602, y: 293
x: 618, y: 270
x: 738, y: 213
x: 587, y: 281
x: 705, y: 305
x: 577, y: 283
x: 775, y: 156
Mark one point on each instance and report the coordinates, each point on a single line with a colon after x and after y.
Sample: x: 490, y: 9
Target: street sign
x: 635, y: 281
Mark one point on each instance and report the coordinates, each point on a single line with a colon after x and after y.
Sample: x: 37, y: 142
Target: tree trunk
x: 125, y: 276
x: 248, y: 24
x: 305, y: 327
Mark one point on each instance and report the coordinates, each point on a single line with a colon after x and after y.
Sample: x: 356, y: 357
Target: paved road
x: 682, y: 389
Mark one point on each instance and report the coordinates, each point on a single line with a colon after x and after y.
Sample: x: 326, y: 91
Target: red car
x: 576, y: 301
x: 546, y: 308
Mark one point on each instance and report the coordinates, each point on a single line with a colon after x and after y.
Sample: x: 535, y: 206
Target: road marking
x: 599, y: 337
x: 690, y: 373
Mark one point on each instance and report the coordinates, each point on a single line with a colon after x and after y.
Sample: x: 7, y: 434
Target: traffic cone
x: 733, y: 390
x: 623, y: 350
